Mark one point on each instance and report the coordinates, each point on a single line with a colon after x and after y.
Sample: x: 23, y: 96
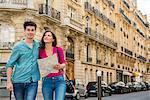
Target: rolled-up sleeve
x: 61, y: 55
x: 13, y: 58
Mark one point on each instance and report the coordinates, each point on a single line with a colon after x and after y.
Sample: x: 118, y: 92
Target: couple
x: 23, y: 71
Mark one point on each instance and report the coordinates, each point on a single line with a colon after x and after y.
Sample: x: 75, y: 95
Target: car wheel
x: 103, y: 93
x: 86, y: 95
x: 109, y: 94
x: 78, y: 96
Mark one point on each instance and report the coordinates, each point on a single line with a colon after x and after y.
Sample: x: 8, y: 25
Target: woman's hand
x: 58, y: 67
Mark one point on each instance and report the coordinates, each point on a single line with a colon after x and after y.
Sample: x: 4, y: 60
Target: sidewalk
x: 39, y: 97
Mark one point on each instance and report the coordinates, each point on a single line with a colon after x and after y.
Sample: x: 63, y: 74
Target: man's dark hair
x: 29, y: 23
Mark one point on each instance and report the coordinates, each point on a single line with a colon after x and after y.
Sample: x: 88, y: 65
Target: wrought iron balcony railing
x: 127, y: 5
x: 141, y: 33
x: 97, y: 13
x: 126, y: 18
x: 142, y: 58
x: 145, y: 24
x: 6, y: 45
x: 128, y: 51
x: 99, y: 37
x: 13, y: 4
x: 88, y: 7
x: 49, y: 11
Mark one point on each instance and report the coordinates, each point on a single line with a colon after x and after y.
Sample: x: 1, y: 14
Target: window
x: 7, y: 33
x: 97, y: 53
x: 71, y: 12
x: 89, y: 58
x: 107, y: 78
x: 110, y: 77
x: 70, y: 50
x: 102, y: 76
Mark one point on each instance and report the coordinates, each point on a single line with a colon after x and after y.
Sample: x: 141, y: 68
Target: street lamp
x: 99, y: 85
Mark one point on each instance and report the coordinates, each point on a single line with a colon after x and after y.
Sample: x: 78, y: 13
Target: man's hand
x: 9, y: 86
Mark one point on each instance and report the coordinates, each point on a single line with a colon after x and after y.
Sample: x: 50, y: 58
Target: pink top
x: 42, y: 54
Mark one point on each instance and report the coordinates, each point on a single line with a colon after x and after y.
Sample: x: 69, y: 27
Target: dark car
x: 147, y: 85
x: 92, y: 89
x: 143, y: 86
x: 119, y: 87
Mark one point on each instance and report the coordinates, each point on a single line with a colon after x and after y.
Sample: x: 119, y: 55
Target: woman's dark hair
x: 54, y: 43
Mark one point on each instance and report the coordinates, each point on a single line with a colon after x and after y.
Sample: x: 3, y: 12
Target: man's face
x: 29, y: 32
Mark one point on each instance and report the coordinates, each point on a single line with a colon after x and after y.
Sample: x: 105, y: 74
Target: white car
x: 74, y: 95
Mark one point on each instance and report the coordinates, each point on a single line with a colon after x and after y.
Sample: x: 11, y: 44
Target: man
x: 22, y: 68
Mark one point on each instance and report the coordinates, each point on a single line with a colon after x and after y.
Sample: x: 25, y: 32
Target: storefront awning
x: 127, y: 73
x: 136, y: 74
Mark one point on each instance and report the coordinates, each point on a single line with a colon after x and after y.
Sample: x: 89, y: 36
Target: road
x: 143, y: 95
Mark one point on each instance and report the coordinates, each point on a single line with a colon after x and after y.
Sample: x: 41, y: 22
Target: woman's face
x: 48, y: 38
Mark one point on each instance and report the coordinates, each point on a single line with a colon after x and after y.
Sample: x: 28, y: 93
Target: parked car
x: 82, y: 90
x: 137, y: 86
x: 92, y: 89
x: 143, y: 86
x: 130, y: 85
x: 75, y: 94
x: 119, y: 87
x: 147, y: 85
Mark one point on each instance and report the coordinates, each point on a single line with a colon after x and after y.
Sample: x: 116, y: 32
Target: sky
x: 144, y: 7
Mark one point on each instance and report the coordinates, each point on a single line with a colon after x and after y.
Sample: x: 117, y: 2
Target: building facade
x: 110, y: 36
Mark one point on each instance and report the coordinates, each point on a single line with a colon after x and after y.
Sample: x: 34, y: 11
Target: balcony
x: 140, y: 32
x: 104, y: 18
x: 49, y: 11
x: 97, y: 13
x: 100, y: 38
x: 69, y: 55
x: 88, y: 7
x: 110, y: 3
x: 142, y: 58
x: 74, y: 21
x: 126, y: 4
x: 145, y: 24
x: 125, y: 17
x: 6, y: 45
x: 128, y: 52
x: 18, y: 4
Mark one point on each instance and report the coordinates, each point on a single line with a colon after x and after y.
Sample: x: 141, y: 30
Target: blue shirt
x: 23, y: 60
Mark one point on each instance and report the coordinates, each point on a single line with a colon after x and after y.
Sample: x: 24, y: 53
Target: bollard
x: 99, y: 95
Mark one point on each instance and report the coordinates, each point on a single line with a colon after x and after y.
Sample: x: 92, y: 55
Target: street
x: 144, y: 95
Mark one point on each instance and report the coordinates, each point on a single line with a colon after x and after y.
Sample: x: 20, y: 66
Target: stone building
x: 107, y: 35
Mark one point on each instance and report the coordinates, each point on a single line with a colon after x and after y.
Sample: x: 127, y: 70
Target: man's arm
x: 9, y: 82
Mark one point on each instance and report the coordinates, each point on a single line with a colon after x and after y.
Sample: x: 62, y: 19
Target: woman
x: 53, y: 83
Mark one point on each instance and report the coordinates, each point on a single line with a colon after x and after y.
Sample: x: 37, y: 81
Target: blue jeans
x: 25, y: 91
x: 55, y: 85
